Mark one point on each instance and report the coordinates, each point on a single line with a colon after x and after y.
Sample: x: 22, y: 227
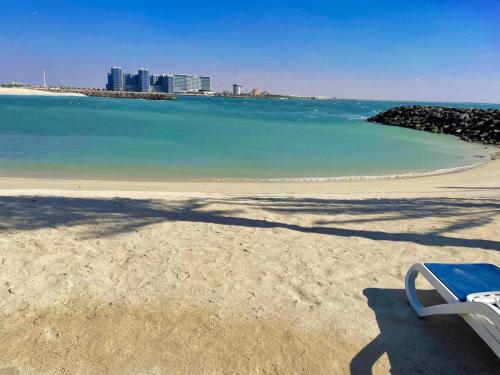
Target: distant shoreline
x: 34, y: 92
x: 256, y: 180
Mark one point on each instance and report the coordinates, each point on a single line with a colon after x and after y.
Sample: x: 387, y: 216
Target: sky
x: 398, y: 49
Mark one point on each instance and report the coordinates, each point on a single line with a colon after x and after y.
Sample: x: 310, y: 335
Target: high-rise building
x: 130, y: 82
x: 180, y: 83
x: 185, y: 83
x: 143, y: 80
x: 255, y: 92
x: 154, y: 79
x: 168, y: 83
x: 205, y: 83
x: 236, y: 89
x: 156, y: 82
x: 115, y: 79
x: 190, y: 83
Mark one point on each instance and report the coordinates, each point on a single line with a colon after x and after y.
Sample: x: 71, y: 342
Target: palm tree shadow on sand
x: 434, y: 345
x: 110, y: 216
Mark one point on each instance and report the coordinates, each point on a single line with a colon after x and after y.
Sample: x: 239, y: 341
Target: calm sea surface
x: 211, y: 138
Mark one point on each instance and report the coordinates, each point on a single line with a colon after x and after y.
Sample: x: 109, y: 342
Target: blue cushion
x: 465, y: 279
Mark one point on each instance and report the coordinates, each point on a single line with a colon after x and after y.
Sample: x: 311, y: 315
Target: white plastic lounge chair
x: 471, y: 290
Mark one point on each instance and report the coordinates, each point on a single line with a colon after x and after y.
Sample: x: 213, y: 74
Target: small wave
x: 347, y: 116
x: 356, y: 178
x: 380, y: 177
x: 357, y: 117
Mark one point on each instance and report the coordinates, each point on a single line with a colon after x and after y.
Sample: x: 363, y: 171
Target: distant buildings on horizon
x: 238, y: 91
x: 145, y: 82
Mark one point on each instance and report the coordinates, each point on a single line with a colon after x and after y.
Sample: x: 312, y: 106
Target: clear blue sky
x: 421, y: 50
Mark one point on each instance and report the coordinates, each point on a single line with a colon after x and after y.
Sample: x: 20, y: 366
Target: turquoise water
x: 212, y: 138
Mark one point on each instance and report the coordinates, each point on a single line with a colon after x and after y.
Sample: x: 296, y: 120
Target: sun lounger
x: 470, y: 290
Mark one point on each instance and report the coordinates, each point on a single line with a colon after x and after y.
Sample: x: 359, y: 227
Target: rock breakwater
x: 113, y: 94
x: 470, y: 124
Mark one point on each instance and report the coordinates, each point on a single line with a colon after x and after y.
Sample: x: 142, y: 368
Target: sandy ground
x: 238, y: 278
x: 24, y: 91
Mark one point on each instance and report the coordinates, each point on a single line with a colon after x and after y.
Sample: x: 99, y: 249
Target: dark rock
x: 470, y: 124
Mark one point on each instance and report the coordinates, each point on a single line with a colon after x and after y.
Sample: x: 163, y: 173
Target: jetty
x: 112, y: 94
x: 470, y: 124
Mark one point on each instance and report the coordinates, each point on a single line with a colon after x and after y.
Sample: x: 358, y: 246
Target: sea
x: 218, y: 138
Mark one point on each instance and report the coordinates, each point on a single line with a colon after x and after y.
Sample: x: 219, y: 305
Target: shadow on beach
x: 112, y: 216
x: 435, y: 345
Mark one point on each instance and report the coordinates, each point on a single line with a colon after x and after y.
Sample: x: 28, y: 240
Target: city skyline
x: 143, y: 81
x: 440, y: 50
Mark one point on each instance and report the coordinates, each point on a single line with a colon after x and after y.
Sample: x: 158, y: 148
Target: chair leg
x: 411, y: 292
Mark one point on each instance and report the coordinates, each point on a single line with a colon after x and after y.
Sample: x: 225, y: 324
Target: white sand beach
x: 27, y: 91
x: 244, y: 278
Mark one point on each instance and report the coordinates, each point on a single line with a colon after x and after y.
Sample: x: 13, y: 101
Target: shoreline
x: 235, y: 180
x: 487, y: 170
x: 375, y: 177
x: 22, y: 91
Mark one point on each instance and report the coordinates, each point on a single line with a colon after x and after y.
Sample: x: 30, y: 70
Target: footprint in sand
x: 182, y: 275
